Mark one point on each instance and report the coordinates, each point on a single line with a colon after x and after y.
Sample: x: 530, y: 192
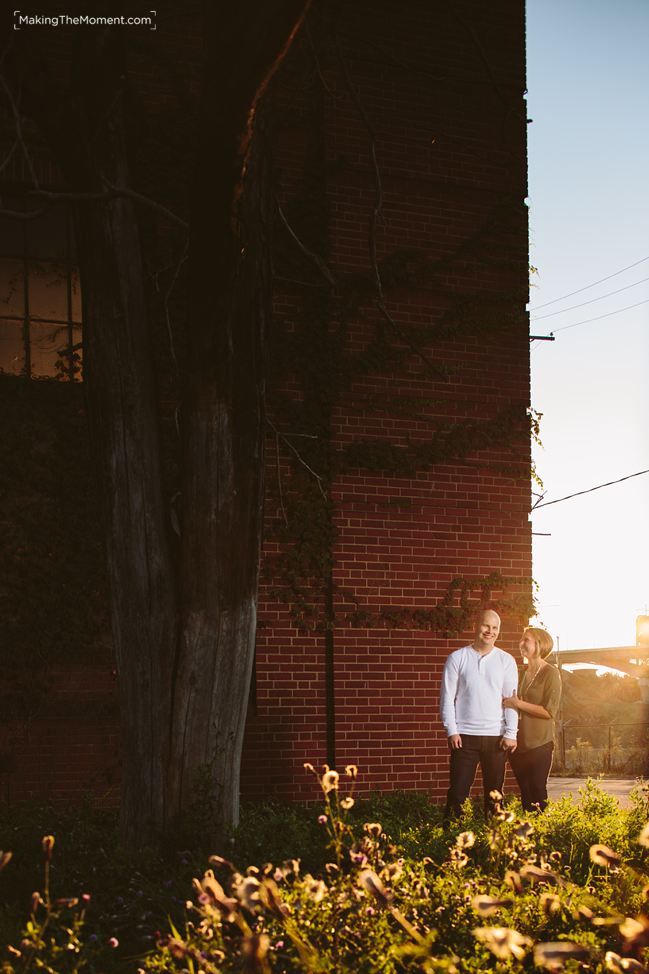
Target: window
x: 40, y: 297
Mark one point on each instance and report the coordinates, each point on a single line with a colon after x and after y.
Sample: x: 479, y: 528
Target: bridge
x: 628, y: 659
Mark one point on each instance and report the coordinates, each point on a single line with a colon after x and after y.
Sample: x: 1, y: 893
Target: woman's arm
x: 523, y: 707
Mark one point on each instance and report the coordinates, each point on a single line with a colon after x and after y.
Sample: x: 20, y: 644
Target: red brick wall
x: 61, y: 742
x: 443, y: 93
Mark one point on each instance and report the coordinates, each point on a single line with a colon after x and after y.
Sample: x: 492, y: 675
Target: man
x: 480, y: 732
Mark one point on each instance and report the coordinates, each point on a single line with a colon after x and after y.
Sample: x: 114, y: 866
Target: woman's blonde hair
x: 542, y: 639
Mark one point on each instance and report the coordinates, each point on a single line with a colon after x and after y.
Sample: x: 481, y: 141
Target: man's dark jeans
x: 475, y: 750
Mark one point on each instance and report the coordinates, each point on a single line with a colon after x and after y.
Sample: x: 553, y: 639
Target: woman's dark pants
x: 532, y: 769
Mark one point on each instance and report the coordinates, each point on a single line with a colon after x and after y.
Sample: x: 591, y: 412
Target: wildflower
x: 465, y: 840
x: 113, y: 942
x: 524, y: 830
x: 553, y: 956
x: 609, y: 921
x: 616, y: 963
x: 322, y: 819
x: 47, y: 844
x: 394, y: 871
x: 643, y: 838
x: 215, y: 861
x: 176, y: 948
x: 503, y: 942
x: 505, y: 816
x: 514, y: 880
x: 279, y: 944
x: 635, y: 932
x: 458, y: 858
x: 36, y: 901
x: 601, y: 855
x: 373, y: 829
x: 351, y: 771
x: 347, y: 803
x: 495, y: 795
x: 4, y: 859
x: 358, y: 858
x: 269, y: 896
x: 293, y: 865
x: 549, y: 903
x: 248, y: 892
x: 316, y: 889
x: 533, y: 874
x: 211, y: 894
x: 486, y: 905
x: 373, y: 885
x: 330, y: 781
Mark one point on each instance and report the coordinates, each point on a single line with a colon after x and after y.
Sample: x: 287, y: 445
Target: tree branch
x: 299, y: 456
x: 318, y: 261
x: 15, y: 110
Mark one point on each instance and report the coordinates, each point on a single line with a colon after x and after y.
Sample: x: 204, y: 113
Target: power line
x: 592, y: 301
x: 587, y: 286
x: 599, y: 317
x: 590, y: 490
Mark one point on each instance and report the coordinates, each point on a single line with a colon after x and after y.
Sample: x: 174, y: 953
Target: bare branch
x: 9, y: 156
x: 319, y: 479
x: 378, y: 188
x: 319, y: 262
x: 402, y: 336
x: 115, y: 192
x: 131, y: 194
x: 279, y: 478
x: 19, y: 129
x: 314, y: 51
x: 21, y: 215
x: 294, y: 280
x: 166, y: 298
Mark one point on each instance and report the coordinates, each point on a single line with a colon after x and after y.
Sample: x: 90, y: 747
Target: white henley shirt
x: 472, y: 690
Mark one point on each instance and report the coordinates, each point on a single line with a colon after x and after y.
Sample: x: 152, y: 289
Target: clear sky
x: 588, y: 96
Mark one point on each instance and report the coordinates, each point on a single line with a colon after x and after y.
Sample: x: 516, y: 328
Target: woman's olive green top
x: 544, y: 690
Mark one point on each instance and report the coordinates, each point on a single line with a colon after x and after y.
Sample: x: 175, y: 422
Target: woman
x: 537, y: 703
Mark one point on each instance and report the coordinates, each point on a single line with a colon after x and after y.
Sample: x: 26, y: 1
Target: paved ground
x: 620, y: 787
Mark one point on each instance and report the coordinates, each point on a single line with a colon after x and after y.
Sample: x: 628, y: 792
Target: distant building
x: 400, y: 150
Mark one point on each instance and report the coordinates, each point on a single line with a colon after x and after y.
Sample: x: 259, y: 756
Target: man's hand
x: 455, y: 742
x: 508, y: 744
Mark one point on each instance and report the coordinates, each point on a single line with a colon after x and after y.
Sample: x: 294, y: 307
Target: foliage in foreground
x: 564, y: 890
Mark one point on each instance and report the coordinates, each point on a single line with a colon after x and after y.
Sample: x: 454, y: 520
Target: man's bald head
x: 486, y: 631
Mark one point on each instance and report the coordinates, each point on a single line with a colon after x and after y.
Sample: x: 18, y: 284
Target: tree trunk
x: 124, y: 430
x: 223, y: 416
x: 123, y: 413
